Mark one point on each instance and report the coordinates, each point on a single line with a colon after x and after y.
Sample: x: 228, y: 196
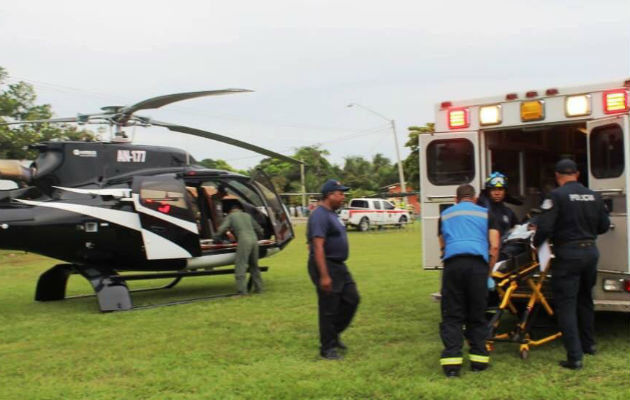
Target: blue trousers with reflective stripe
x: 464, y: 297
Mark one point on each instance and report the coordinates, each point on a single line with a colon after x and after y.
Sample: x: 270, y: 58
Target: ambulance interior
x: 527, y: 156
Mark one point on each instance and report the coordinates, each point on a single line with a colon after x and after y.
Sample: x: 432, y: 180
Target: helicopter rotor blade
x: 160, y: 101
x: 224, y: 139
x: 43, y: 121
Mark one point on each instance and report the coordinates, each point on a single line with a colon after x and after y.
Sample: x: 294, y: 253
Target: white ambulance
x: 523, y: 135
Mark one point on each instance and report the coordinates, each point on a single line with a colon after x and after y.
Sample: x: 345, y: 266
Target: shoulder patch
x: 547, y: 204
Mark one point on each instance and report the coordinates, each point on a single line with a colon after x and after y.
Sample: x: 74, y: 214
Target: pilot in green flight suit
x: 245, y: 228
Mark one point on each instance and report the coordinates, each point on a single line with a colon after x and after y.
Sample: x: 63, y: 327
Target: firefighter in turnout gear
x: 469, y: 239
x: 493, y: 198
x: 245, y: 228
x: 572, y: 217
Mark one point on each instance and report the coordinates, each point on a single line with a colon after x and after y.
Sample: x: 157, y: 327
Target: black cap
x: 332, y: 185
x: 566, y: 167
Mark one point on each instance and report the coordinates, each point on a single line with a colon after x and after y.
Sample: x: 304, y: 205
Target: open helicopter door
x: 275, y: 209
x: 447, y: 160
x: 608, y: 161
x: 169, y: 230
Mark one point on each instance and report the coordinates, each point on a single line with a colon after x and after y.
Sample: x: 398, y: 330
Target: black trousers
x: 464, y: 297
x: 336, y: 309
x: 574, y: 273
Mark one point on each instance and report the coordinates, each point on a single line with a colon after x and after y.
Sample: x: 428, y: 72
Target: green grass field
x: 266, y: 346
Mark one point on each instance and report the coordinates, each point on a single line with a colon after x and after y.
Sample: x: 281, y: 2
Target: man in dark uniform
x: 470, y: 242
x: 572, y: 218
x: 493, y: 199
x: 337, y: 293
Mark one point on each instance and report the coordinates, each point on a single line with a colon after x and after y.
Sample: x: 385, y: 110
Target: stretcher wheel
x: 524, y: 351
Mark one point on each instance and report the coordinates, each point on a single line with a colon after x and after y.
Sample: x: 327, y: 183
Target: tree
x: 219, y: 164
x: 411, y: 164
x: 359, y: 174
x: 286, y: 176
x: 17, y: 103
x: 384, y: 171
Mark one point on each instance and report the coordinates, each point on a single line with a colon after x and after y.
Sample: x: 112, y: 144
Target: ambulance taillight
x: 615, y: 101
x: 458, y: 118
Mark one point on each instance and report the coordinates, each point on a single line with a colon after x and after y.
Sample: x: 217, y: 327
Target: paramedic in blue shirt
x: 469, y: 238
x: 337, y: 293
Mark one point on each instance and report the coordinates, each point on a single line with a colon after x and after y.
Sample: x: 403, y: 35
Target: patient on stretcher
x: 515, y: 249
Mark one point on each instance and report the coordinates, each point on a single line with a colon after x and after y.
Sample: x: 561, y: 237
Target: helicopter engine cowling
x: 13, y: 170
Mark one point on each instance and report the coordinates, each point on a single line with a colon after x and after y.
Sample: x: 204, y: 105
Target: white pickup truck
x: 363, y: 213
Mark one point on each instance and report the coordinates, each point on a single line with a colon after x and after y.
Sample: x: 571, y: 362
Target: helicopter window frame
x: 245, y: 192
x: 164, y: 196
x: 236, y: 188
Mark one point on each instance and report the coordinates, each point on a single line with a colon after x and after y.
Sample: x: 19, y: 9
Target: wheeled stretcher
x: 520, y: 279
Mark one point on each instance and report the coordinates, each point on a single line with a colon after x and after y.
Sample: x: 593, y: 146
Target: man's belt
x: 576, y: 243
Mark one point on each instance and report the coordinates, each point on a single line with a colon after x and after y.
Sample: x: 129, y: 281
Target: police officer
x: 245, y: 228
x: 337, y: 293
x: 494, y: 200
x: 572, y: 218
x: 470, y: 242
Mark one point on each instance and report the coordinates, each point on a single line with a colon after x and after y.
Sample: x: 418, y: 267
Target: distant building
x: 412, y: 201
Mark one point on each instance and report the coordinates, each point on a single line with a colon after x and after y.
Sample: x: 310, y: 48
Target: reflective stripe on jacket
x: 465, y: 230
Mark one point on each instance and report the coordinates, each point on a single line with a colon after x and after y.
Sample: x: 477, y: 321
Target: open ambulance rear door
x: 608, y: 161
x: 447, y: 160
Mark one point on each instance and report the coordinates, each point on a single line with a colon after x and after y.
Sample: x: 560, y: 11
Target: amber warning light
x: 615, y: 101
x: 458, y: 118
x: 532, y: 110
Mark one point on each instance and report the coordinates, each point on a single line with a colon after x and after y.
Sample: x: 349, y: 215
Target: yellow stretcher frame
x: 507, y: 284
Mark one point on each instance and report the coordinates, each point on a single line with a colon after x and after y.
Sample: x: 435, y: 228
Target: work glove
x: 491, y: 284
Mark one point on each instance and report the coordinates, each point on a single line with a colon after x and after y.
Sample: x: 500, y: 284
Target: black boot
x: 571, y: 364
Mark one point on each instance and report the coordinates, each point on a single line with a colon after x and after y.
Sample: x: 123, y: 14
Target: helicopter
x: 106, y: 207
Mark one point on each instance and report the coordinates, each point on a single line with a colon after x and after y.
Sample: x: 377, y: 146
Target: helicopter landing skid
x: 110, y: 288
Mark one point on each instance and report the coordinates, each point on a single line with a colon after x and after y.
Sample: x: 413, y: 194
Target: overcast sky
x: 306, y: 60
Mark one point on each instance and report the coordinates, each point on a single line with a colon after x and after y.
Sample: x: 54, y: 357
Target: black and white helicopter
x: 108, y: 207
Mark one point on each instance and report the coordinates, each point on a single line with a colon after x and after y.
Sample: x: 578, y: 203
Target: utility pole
x: 303, y: 181
x: 401, y: 173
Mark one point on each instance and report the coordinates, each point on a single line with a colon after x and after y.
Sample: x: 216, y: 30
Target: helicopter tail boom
x: 13, y: 170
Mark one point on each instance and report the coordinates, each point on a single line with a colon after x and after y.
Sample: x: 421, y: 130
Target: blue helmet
x: 496, y: 180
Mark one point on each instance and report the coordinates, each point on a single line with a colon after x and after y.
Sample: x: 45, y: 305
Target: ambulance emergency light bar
x: 614, y: 102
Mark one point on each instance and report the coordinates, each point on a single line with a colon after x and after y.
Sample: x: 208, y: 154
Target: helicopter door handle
x: 157, y: 229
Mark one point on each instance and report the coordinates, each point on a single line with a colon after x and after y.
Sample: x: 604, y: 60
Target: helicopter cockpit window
x: 247, y: 193
x: 165, y: 197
